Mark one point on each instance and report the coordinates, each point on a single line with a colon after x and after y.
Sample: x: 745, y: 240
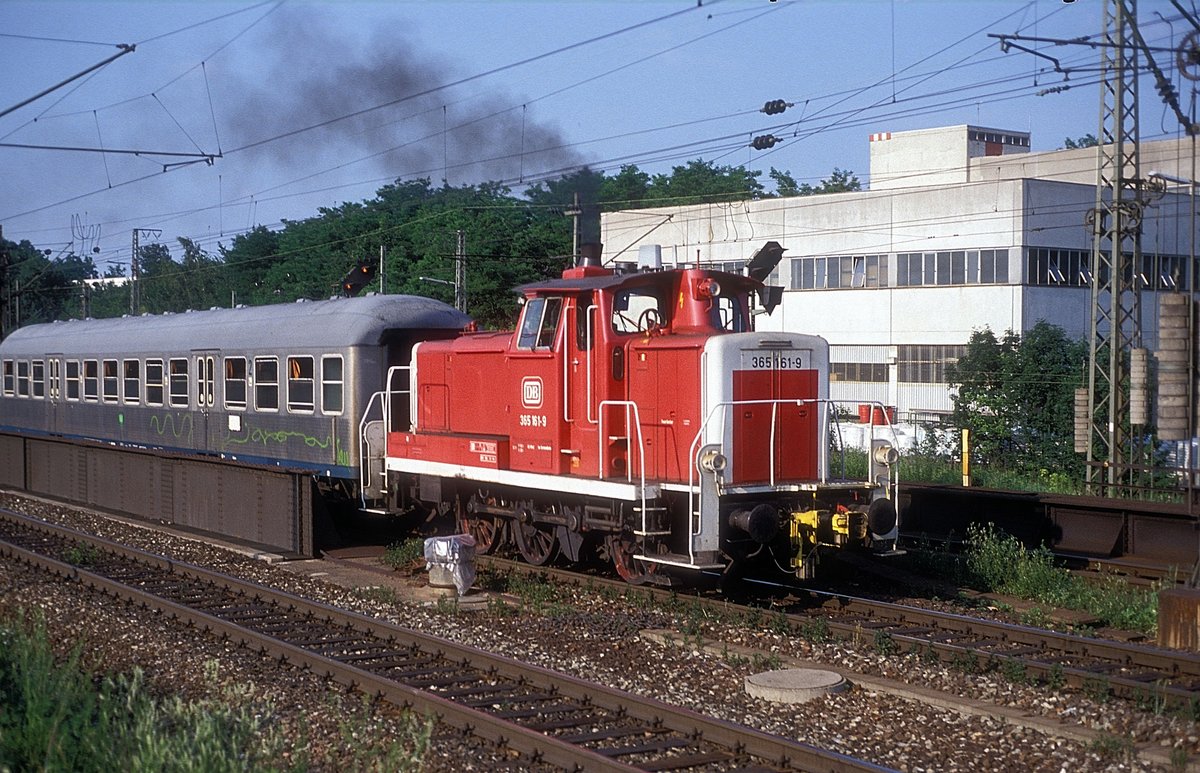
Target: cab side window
x: 539, y: 323
x: 635, y: 311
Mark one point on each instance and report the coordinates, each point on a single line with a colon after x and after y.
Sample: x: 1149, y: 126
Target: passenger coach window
x: 110, y: 381
x: 300, y: 384
x: 235, y: 382
x: 178, y: 387
x: 266, y: 383
x: 74, y: 381
x: 10, y: 379
x: 539, y: 323
x: 331, y: 384
x: 91, y: 380
x: 133, y: 380
x: 22, y: 378
x: 39, y: 379
x: 154, y: 382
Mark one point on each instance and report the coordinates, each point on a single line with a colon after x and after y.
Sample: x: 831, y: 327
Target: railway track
x: 1102, y: 667
x: 546, y: 716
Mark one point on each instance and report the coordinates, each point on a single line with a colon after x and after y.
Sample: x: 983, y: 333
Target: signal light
x: 358, y: 278
x: 764, y: 141
x: 775, y: 106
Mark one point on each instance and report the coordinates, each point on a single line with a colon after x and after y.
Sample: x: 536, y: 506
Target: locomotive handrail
x: 600, y: 438
x: 590, y: 331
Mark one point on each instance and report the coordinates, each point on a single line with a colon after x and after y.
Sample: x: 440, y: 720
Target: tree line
x: 511, y: 239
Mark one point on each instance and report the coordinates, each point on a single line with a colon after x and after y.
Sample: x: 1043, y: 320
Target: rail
x: 548, y: 717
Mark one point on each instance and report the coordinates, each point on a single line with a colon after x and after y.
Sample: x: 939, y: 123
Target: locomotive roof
x: 617, y: 279
x: 330, y: 324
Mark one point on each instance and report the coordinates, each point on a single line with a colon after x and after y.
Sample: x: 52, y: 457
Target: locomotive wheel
x: 622, y: 549
x: 536, y: 542
x: 488, y: 530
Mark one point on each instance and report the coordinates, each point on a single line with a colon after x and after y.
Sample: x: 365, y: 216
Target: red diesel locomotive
x: 637, y: 414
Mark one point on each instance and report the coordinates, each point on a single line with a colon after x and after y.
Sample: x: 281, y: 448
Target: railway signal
x: 358, y: 277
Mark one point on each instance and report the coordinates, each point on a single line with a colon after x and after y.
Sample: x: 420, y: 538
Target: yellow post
x: 966, y: 457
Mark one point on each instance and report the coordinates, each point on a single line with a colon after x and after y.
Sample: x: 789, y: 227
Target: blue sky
x: 511, y: 91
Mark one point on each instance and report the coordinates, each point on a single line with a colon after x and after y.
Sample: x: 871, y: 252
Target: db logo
x: 531, y: 392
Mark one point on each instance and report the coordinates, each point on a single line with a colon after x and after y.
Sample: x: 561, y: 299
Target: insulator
x: 764, y: 141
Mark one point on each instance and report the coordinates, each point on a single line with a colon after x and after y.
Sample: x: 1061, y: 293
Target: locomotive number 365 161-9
x: 780, y: 361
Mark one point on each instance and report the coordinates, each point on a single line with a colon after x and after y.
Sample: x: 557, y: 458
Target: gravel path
x: 594, y: 636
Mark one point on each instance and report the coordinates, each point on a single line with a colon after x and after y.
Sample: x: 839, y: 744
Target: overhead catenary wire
x: 674, y: 151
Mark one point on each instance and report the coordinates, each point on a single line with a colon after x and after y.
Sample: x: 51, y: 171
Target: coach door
x: 204, y: 370
x: 54, y: 393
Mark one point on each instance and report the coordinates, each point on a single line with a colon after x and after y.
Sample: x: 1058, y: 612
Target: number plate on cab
x: 789, y: 360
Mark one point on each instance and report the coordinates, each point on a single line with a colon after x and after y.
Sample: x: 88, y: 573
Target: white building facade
x: 963, y: 229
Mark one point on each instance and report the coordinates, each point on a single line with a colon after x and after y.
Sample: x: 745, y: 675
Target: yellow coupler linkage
x: 810, y: 528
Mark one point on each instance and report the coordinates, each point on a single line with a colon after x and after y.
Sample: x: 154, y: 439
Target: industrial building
x: 963, y: 228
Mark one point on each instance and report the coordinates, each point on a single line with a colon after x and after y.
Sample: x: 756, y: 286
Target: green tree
x: 1086, y: 141
x: 627, y: 189
x: 785, y: 184
x: 1015, y: 395
x: 41, y: 288
x: 701, y: 181
x: 839, y: 181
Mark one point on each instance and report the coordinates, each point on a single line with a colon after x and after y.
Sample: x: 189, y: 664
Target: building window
x: 300, y: 384
x: 331, y: 384
x: 74, y: 381
x: 839, y: 272
x: 154, y: 382
x: 111, y: 381
x: 951, y: 268
x: 133, y: 381
x: 926, y: 364
x: 235, y: 383
x: 266, y: 383
x: 178, y: 382
x: 91, y: 380
x: 867, y: 372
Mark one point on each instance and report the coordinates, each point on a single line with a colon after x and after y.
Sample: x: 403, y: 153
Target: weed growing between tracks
x: 55, y: 715
x: 993, y: 561
x: 999, y: 562
x: 401, y: 555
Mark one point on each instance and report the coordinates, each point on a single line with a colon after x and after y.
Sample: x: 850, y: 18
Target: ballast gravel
x: 594, y: 636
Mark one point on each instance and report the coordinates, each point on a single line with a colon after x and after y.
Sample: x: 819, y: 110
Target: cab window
x: 539, y: 323
x: 637, y: 310
x: 727, y: 314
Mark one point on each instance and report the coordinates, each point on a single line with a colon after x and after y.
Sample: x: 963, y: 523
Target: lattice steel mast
x: 1116, y: 252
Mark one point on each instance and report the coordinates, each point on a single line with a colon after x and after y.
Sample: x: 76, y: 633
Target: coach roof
x: 331, y: 324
